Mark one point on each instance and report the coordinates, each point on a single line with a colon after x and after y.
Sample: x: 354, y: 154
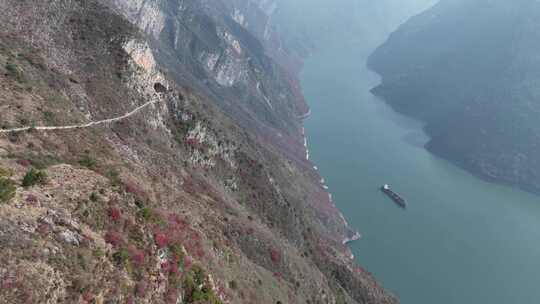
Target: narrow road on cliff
x: 80, y: 126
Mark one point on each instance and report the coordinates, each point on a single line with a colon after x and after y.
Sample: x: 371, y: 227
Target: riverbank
x: 478, y: 167
x: 462, y: 240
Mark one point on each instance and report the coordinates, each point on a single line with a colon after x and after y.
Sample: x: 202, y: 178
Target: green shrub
x: 24, y: 121
x: 4, y: 172
x: 146, y: 213
x: 88, y: 162
x: 177, y: 252
x: 15, y: 72
x: 34, y: 177
x: 196, y: 289
x: 37, y: 160
x: 94, y: 197
x: 49, y: 117
x: 114, y: 177
x: 7, y: 190
x: 98, y: 253
x: 121, y: 257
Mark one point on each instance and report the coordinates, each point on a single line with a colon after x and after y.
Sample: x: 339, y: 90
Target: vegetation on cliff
x: 192, y: 199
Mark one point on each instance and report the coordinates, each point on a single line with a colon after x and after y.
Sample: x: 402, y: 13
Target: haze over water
x: 462, y: 240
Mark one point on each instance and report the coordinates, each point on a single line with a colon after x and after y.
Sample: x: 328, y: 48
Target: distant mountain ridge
x: 471, y: 71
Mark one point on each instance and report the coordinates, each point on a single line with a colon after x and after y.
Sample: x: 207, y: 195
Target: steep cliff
x: 219, y: 47
x: 181, y: 175
x: 469, y: 69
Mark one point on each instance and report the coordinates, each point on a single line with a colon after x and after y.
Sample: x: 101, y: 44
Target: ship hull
x: 395, y: 197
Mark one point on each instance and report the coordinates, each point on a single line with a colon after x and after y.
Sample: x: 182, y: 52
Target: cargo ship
x: 394, y: 196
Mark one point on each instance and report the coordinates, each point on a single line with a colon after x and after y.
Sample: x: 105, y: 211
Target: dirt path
x: 80, y: 126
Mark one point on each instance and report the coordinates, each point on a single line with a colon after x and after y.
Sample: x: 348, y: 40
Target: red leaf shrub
x: 191, y: 142
x: 136, y: 256
x: 8, y: 282
x: 115, y: 214
x: 135, y: 189
x: 175, y: 219
x: 178, y: 232
x: 173, y: 268
x: 161, y: 239
x: 200, y: 253
x: 165, y: 266
x: 275, y: 256
x: 114, y: 238
x: 31, y: 199
x: 188, y: 262
x: 24, y: 162
x: 43, y: 228
x: 88, y: 296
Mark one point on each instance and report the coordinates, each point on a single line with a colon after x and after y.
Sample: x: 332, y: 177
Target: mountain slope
x: 469, y: 69
x: 203, y: 196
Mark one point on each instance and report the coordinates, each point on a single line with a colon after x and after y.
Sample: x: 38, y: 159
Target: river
x: 462, y: 240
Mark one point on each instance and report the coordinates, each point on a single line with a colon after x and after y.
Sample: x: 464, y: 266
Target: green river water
x: 462, y: 240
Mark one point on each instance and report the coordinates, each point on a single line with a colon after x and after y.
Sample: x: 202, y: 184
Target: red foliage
x: 275, y: 256
x: 179, y: 232
x: 165, y: 266
x: 129, y: 224
x: 161, y: 239
x: 43, y: 228
x: 88, y: 296
x: 188, y: 262
x: 135, y: 189
x: 8, y: 282
x: 136, y: 256
x: 114, y: 238
x: 115, y: 214
x: 193, y: 142
x: 200, y: 253
x: 31, y: 199
x: 193, y: 245
x: 24, y: 162
x: 174, y: 268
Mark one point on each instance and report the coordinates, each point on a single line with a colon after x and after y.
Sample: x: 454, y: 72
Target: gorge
x: 461, y: 240
x: 156, y: 151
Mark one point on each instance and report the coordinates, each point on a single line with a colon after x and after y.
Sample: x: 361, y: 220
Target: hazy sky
x: 349, y: 19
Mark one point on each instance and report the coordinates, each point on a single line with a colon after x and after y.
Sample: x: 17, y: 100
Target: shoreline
x: 453, y: 160
x: 481, y: 176
x: 352, y: 234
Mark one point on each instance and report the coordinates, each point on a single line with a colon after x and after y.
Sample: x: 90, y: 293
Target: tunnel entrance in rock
x: 159, y: 88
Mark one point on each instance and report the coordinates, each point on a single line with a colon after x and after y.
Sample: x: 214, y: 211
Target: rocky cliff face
x: 469, y: 69
x: 226, y: 48
x: 201, y: 195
